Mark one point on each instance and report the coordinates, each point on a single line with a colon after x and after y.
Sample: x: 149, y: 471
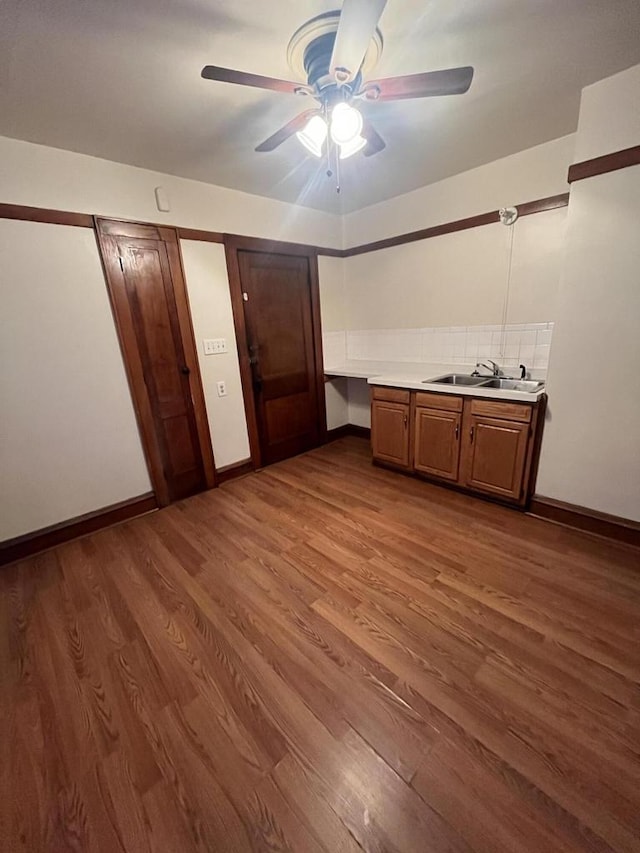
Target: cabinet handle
x: 471, y: 431
x: 406, y: 421
x: 457, y: 431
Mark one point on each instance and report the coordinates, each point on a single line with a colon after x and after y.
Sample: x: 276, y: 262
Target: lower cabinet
x: 390, y: 409
x: 437, y: 442
x: 483, y: 445
x: 497, y: 453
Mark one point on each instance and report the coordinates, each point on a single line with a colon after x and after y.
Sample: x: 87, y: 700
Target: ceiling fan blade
x: 287, y: 130
x: 358, y: 22
x: 451, y: 81
x: 228, y: 75
x: 375, y: 142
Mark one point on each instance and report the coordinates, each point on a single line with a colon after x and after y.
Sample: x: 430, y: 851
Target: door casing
x: 106, y: 228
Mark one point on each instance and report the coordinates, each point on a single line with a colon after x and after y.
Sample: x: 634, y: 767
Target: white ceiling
x: 120, y: 79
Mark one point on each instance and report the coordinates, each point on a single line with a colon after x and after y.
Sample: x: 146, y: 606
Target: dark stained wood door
x: 277, y: 306
x: 148, y: 295
x: 437, y: 442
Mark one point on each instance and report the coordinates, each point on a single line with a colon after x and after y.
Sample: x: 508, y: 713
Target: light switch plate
x: 214, y: 346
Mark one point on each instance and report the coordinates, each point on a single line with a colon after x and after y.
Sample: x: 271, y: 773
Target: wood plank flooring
x: 324, y: 656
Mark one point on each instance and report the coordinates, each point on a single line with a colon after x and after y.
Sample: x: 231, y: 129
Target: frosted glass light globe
x: 352, y: 147
x: 313, y: 135
x: 346, y: 124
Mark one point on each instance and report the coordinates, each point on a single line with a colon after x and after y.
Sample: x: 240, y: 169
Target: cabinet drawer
x: 444, y: 402
x: 498, y: 409
x: 391, y: 395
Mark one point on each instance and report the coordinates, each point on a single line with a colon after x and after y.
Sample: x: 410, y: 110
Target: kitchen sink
x: 528, y: 385
x: 457, y: 379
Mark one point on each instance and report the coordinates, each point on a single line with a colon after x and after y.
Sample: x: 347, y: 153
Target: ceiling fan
x: 335, y: 51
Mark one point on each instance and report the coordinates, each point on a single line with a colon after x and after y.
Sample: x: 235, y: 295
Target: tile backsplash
x: 511, y: 345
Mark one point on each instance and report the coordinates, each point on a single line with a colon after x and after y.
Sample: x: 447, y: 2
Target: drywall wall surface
x: 456, y: 279
x: 460, y: 279
x: 333, y: 300
x: 359, y: 402
x: 536, y: 268
x: 69, y: 441
x: 337, y: 401
x: 609, y: 115
x: 535, y: 173
x: 591, y: 446
x: 41, y: 176
x: 210, y: 302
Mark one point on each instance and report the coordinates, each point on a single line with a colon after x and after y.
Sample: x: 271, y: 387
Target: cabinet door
x: 497, y: 456
x: 437, y: 443
x: 390, y: 432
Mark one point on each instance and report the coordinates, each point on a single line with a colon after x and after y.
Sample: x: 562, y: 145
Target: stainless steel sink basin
x: 528, y: 385
x: 457, y: 379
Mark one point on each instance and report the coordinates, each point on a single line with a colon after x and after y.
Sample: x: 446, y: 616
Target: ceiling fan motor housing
x: 309, y: 54
x: 317, y: 60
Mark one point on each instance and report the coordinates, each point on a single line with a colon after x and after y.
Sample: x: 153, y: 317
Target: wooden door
x: 497, y: 453
x: 148, y: 295
x: 390, y: 432
x: 437, y: 442
x: 281, y: 352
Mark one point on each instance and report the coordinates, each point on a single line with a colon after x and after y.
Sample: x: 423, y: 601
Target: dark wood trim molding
x: 348, y: 429
x: 43, y: 214
x: 197, y: 234
x: 48, y: 537
x: 588, y: 520
x: 236, y: 469
x: 84, y: 220
x: 316, y: 321
x: 264, y: 244
x: 606, y: 163
x: 235, y: 289
x: 331, y: 253
x: 542, y: 205
x: 526, y: 209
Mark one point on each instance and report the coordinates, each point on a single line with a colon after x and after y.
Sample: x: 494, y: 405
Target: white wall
x: 535, y: 173
x: 458, y: 279
x: 69, y: 442
x: 53, y: 472
x: 48, y: 177
x: 210, y: 302
x: 609, y: 115
x: 333, y: 299
x: 591, y: 448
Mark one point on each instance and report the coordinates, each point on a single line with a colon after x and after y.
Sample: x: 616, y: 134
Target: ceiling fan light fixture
x: 349, y: 148
x: 346, y: 124
x: 313, y: 135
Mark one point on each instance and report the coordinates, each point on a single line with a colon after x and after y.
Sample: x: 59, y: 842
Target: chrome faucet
x: 494, y: 368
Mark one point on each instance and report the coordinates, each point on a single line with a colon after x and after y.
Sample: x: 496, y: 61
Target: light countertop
x: 416, y: 377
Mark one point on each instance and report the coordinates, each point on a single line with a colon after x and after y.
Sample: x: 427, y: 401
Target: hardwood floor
x: 324, y: 656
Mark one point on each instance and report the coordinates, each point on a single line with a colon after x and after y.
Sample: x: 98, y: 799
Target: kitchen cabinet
x: 485, y: 446
x: 436, y: 442
x: 495, y: 455
x: 390, y: 441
